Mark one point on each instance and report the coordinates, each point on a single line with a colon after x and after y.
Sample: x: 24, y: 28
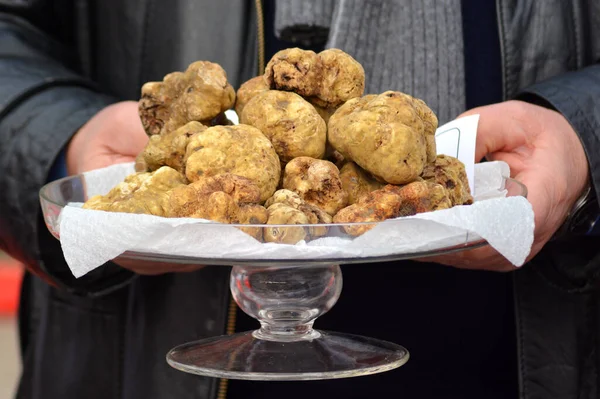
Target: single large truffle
x: 247, y: 91
x: 313, y: 214
x: 419, y: 197
x: 293, y: 69
x: 450, y: 173
x: 343, y: 79
x: 356, y: 182
x: 282, y: 214
x: 145, y: 192
x: 289, y: 121
x: 200, y: 93
x: 242, y: 150
x: 317, y: 182
x: 167, y: 149
x: 386, y: 134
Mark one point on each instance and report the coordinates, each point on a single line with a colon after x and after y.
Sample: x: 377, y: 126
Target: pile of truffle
x: 311, y: 149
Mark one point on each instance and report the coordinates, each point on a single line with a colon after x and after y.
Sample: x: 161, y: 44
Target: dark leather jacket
x: 61, y: 61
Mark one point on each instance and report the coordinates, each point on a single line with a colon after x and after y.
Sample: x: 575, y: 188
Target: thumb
x: 499, y: 129
x: 129, y: 135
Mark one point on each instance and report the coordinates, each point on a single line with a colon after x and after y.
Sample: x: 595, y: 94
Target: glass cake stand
x: 286, y: 296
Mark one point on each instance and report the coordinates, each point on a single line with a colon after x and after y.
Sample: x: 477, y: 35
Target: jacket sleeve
x: 42, y: 105
x: 573, y: 262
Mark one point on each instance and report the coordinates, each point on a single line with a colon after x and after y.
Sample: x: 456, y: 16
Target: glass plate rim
x: 286, y: 262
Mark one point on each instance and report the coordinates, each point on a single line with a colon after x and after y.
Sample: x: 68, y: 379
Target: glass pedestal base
x: 323, y: 355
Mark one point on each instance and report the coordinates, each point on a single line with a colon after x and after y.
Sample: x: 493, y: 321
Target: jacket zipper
x: 260, y: 36
x: 231, y: 313
x: 501, y: 37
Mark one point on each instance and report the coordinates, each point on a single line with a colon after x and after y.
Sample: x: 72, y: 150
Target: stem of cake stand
x: 286, y: 300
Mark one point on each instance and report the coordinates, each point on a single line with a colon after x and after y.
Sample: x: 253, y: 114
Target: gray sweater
x: 413, y: 46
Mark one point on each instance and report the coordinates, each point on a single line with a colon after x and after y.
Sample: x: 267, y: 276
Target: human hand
x: 115, y: 135
x: 544, y: 153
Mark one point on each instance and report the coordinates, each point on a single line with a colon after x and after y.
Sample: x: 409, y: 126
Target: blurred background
x: 10, y: 280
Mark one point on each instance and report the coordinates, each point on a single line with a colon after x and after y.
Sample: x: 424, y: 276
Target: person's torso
x: 134, y: 41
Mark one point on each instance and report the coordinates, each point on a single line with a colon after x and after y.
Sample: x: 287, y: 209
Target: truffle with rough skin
x: 200, y: 93
x: 284, y: 196
x: 391, y: 202
x: 241, y: 189
x: 450, y: 173
x: 282, y: 214
x: 217, y: 206
x: 430, y: 125
x: 314, y: 214
x: 376, y: 206
x: 420, y: 196
x: 289, y: 121
x: 167, y: 149
x: 145, y: 193
x: 247, y: 91
x: 293, y: 69
x: 186, y: 200
x: 122, y: 191
x: 384, y: 134
x: 356, y: 182
x: 242, y: 150
x: 343, y: 79
x: 253, y: 214
x: 317, y: 182
x: 225, y: 198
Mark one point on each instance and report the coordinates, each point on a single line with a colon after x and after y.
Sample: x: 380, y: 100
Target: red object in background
x: 11, y: 273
